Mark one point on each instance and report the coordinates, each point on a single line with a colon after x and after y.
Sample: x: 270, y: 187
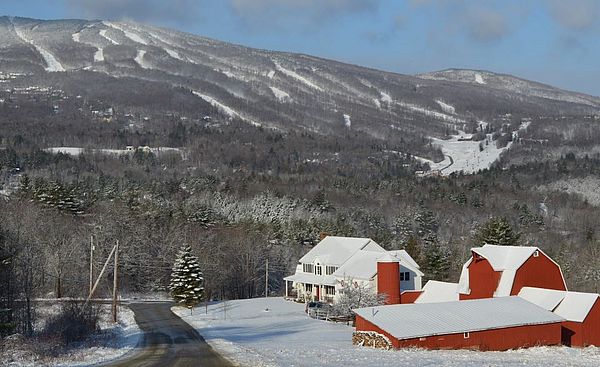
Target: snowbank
x: 274, y: 332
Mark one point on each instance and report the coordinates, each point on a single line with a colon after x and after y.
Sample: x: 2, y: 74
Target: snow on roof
x: 311, y: 278
x: 436, y: 292
x: 407, y: 321
x: 363, y: 264
x: 545, y: 298
x: 403, y: 255
x: 337, y: 250
x: 573, y: 306
x: 506, y: 259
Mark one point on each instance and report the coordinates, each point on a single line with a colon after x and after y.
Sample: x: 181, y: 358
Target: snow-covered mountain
x: 283, y: 91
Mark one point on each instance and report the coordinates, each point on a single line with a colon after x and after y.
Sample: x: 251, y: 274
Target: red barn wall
x: 496, y: 339
x: 586, y: 333
x: 540, y: 272
x: 483, y: 280
x: 410, y: 296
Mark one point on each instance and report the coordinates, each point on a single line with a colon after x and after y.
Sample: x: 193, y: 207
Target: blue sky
x: 552, y: 41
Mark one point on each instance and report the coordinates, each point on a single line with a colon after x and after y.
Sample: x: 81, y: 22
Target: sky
x: 551, y: 41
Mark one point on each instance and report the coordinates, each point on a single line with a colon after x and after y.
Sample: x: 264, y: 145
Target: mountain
x: 283, y: 91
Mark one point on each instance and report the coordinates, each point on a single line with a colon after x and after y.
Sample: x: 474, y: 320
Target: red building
x: 581, y: 312
x: 483, y: 324
x: 498, y: 271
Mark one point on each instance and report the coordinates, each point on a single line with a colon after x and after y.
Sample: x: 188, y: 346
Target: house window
x: 308, y: 288
x: 536, y: 253
x: 308, y: 268
x: 405, y: 276
x: 466, y: 335
x: 330, y: 269
x: 319, y: 270
x: 330, y: 290
x: 402, y: 276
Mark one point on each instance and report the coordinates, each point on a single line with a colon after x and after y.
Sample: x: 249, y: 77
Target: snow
x: 337, y: 250
x: 52, y: 64
x: 132, y: 36
x: 280, y: 95
x: 408, y: 321
x: 377, y: 102
x: 435, y: 291
x: 76, y: 37
x: 103, y: 34
x: 298, y: 77
x: 431, y: 113
x: 386, y: 97
x: 479, y: 79
x: 99, y: 55
x: 174, y: 54
x: 347, y: 121
x: 548, y: 299
x: 76, y: 151
x: 271, y: 74
x: 247, y: 334
x: 139, y: 59
x: 225, y: 109
x: 116, y: 341
x: 572, y: 306
x: 446, y: 107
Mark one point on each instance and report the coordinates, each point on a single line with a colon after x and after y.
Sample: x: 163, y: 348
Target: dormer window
x: 536, y: 253
x: 319, y: 270
x: 308, y: 268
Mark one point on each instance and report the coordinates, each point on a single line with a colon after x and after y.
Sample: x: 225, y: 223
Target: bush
x: 73, y: 323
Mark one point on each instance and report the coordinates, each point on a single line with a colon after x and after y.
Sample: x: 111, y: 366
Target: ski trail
x: 103, y: 34
x: 52, y: 64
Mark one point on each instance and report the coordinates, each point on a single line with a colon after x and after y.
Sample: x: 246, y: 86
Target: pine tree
x: 187, y: 282
x: 497, y: 231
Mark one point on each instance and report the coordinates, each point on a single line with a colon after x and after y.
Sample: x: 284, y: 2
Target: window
x: 330, y: 269
x: 536, y: 253
x: 466, y: 335
x: 319, y: 270
x: 308, y: 268
x: 330, y: 290
x: 401, y: 277
x: 308, y: 288
x: 405, y: 276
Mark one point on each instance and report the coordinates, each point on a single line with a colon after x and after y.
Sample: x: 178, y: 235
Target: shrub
x: 73, y: 323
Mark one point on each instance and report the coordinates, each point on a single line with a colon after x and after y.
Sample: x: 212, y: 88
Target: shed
x: 581, y: 312
x: 484, y: 324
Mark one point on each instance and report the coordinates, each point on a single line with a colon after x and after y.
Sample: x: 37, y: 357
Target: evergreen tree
x: 496, y: 231
x: 437, y: 260
x: 187, y: 282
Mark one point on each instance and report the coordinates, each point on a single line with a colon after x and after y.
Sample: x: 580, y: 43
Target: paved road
x: 168, y: 341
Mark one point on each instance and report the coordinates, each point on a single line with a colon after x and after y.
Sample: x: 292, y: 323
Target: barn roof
x: 407, y: 321
x: 573, y: 306
x: 505, y: 259
x: 435, y: 292
x: 334, y: 250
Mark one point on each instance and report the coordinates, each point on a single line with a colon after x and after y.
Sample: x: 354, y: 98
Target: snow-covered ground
x: 52, y: 64
x: 298, y: 77
x: 225, y: 109
x: 115, y: 341
x: 280, y: 95
x: 274, y: 332
x: 465, y: 155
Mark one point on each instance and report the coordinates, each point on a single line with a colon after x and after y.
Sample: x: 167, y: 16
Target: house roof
x: 363, y: 264
x: 407, y: 321
x: 572, y: 306
x: 505, y: 259
x: 435, y: 292
x: 334, y: 250
x: 311, y: 278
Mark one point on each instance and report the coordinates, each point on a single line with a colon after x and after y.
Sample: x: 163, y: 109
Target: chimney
x: 388, y: 278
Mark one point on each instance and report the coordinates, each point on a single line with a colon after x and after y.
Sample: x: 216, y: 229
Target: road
x: 167, y: 341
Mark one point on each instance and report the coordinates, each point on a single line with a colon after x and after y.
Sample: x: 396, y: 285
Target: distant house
x: 498, y: 271
x: 581, y: 312
x: 322, y: 271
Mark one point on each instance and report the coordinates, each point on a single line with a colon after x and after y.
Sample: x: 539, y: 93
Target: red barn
x: 581, y: 312
x: 485, y: 324
x: 498, y: 271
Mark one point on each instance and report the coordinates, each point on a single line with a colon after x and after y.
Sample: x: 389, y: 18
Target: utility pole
x: 100, y: 276
x: 116, y: 269
x: 91, y: 263
x: 267, y: 278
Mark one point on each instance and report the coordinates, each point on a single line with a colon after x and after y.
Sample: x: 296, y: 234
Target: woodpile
x: 371, y: 339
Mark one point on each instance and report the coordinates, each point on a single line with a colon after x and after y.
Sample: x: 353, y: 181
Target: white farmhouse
x: 335, y: 260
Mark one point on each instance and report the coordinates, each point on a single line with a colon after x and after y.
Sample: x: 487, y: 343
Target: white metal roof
x: 311, y: 279
x: 403, y: 255
x: 335, y: 251
x: 435, y: 292
x: 406, y: 321
x: 506, y: 259
x: 572, y: 306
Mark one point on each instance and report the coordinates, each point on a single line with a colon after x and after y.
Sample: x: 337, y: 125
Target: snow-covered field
x: 249, y: 334
x: 115, y: 341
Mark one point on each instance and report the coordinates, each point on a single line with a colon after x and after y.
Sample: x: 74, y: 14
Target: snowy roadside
x: 274, y: 332
x: 114, y: 341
